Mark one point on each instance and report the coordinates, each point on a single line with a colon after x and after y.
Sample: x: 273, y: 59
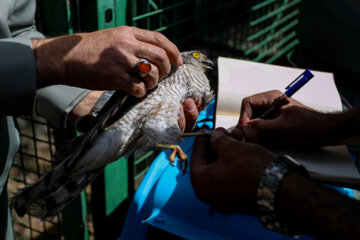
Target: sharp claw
x: 180, y: 163
x: 185, y: 167
x: 171, y: 163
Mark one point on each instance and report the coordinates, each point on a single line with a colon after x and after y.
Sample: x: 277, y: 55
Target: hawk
x: 146, y: 123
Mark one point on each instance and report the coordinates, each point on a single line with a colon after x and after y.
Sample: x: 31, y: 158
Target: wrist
x: 292, y: 193
x: 48, y: 65
x: 343, y: 126
x: 268, y: 189
x: 85, y: 106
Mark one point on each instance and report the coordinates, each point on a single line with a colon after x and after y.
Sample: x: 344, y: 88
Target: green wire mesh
x: 255, y: 30
x: 33, y: 160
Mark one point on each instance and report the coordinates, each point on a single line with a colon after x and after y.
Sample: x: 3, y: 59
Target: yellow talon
x: 176, y: 150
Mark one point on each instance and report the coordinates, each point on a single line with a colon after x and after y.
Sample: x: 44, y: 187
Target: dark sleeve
x: 17, y: 76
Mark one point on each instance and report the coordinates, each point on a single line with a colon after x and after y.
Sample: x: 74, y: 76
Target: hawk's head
x: 198, y: 59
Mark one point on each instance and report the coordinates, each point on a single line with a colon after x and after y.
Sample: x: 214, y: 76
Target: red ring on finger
x: 143, y: 67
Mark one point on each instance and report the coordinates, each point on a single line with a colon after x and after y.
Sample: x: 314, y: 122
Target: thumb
x: 221, y: 142
x: 200, y: 153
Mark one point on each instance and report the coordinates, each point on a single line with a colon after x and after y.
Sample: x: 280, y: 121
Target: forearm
x: 50, y: 55
x: 345, y: 126
x: 320, y: 212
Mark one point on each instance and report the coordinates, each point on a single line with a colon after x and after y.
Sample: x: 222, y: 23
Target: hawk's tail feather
x: 69, y: 151
x: 48, y: 195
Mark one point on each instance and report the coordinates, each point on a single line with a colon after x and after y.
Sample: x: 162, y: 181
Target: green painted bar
x: 69, y: 18
x: 102, y: 7
x: 272, y: 36
x: 153, y: 5
x: 172, y: 25
x: 133, y: 12
x: 116, y: 187
x: 272, y: 26
x: 273, y: 13
x: 120, y: 12
x: 142, y: 158
x: 140, y: 174
x: 149, y: 14
x: 283, y: 51
x: 275, y: 46
x: 262, y: 4
x: 84, y: 214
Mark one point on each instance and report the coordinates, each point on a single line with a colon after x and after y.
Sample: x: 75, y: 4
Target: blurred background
x: 257, y: 30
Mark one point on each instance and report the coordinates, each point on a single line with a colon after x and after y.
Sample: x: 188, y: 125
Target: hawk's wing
x: 51, y: 192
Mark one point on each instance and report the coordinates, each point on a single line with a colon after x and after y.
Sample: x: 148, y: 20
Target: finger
x: 198, y: 103
x: 261, y: 131
x: 264, y: 126
x: 238, y: 133
x: 181, y: 119
x: 254, y: 105
x: 221, y: 142
x: 150, y: 80
x: 191, y: 114
x: 201, y: 169
x: 200, y: 153
x: 245, y: 113
x: 157, y: 56
x: 160, y: 40
x: 132, y: 85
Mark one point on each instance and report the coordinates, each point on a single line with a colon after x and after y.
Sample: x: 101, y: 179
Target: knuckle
x: 246, y: 100
x: 124, y: 42
x: 159, y: 37
x: 161, y: 55
x: 124, y: 29
x: 276, y: 92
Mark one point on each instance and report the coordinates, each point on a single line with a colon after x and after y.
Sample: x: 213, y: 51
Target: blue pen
x: 293, y: 87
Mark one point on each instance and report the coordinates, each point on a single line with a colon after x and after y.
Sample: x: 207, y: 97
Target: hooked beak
x: 208, y: 64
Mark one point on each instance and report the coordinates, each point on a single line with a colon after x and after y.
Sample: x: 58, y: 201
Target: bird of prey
x: 146, y: 123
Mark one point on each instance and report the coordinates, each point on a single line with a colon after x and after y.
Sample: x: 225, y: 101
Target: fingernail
x: 180, y: 60
x: 216, y: 134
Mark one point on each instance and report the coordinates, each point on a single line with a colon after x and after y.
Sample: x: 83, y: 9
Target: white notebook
x: 239, y: 79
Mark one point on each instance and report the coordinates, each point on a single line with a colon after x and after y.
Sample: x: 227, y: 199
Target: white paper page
x: 239, y: 79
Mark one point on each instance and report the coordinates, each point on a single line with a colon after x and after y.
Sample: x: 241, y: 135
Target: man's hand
x: 105, y: 59
x: 294, y: 123
x: 225, y: 172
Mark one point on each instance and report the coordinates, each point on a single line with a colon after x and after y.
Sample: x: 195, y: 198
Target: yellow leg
x: 176, y: 150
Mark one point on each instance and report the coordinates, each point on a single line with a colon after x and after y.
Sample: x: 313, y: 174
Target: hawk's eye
x: 196, y: 54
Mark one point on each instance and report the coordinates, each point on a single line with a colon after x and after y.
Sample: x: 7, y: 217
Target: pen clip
x: 306, y: 76
x: 295, y: 81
